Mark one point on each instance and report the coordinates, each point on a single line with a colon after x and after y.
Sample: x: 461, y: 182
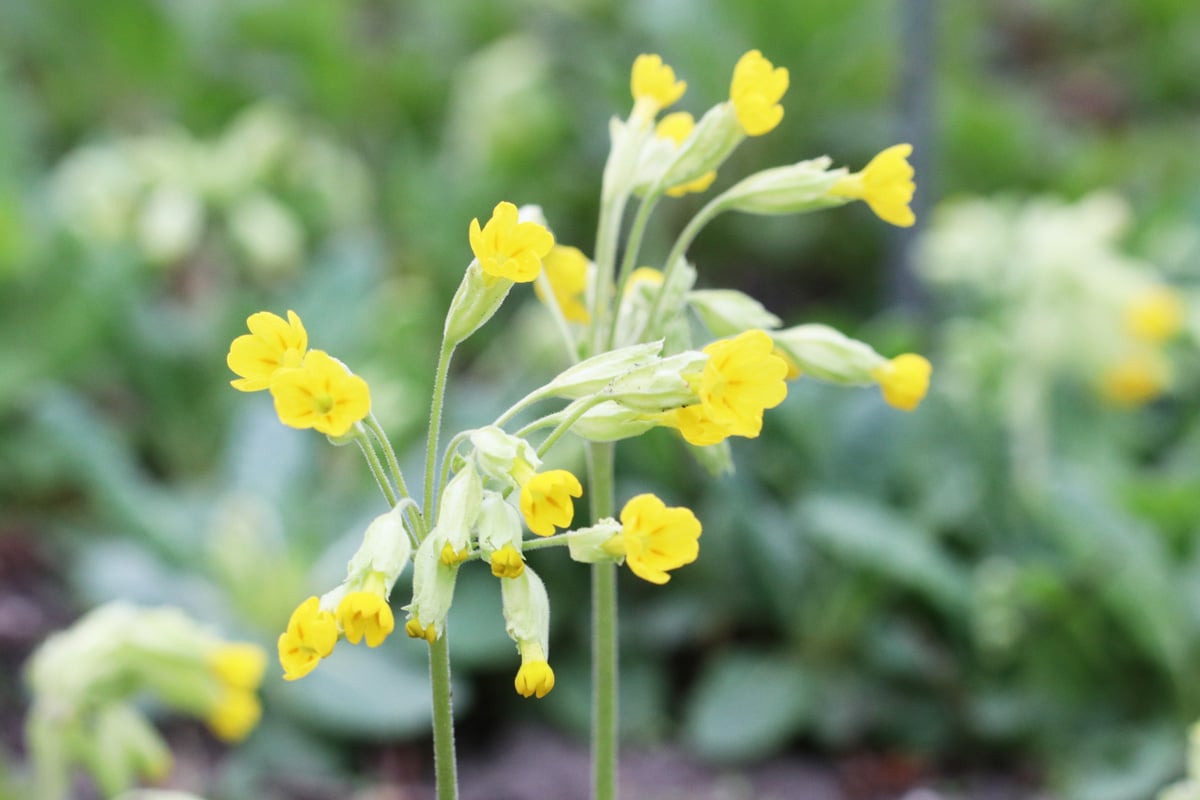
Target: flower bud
x: 459, y: 509
x: 728, y: 312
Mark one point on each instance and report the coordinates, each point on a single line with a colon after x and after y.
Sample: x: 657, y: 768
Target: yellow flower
x: 510, y: 249
x: 654, y: 82
x: 742, y: 378
x: 678, y: 127
x: 647, y: 275
x: 567, y: 271
x: 546, y: 500
x: 234, y: 715
x: 414, y: 630
x: 1136, y: 379
x: 449, y: 556
x: 535, y: 676
x: 886, y: 184
x: 239, y: 665
x: 310, y: 636
x: 365, y: 614
x: 507, y: 562
x: 756, y: 90
x: 321, y: 394
x: 695, y: 427
x: 271, y: 345
x: 1154, y: 316
x: 655, y: 538
x: 904, y: 380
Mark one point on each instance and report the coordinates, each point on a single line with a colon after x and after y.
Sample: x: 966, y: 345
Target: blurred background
x: 995, y: 596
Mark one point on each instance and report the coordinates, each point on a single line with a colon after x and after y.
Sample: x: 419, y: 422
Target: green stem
x: 604, y: 635
x: 557, y: 540
x: 445, y: 767
x: 678, y: 250
x: 448, y: 456
x: 519, y: 406
x: 569, y: 420
x: 364, y: 444
x: 636, y: 233
x: 388, y: 453
x: 435, y: 426
x: 608, y: 230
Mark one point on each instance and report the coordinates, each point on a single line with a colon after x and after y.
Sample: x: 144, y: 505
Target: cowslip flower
x: 527, y: 622
x: 742, y: 378
x: 535, y: 677
x: 567, y: 271
x: 546, y: 500
x: 239, y: 668
x: 677, y: 128
x: 321, y: 394
x: 234, y: 715
x: 654, y: 538
x: 1135, y: 379
x: 366, y: 614
x: 310, y: 636
x: 885, y: 184
x: 239, y: 665
x: 904, y: 380
x: 508, y: 248
x: 272, y: 344
x: 1154, y: 316
x: 755, y: 92
x: 651, y: 82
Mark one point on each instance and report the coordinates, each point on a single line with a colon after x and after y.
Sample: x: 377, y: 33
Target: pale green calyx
x: 610, y: 422
x: 661, y: 385
x: 385, y: 550
x: 587, y: 545
x: 499, y: 524
x: 477, y: 299
x: 527, y: 609
x: 713, y: 139
x: 503, y: 457
x: 785, y: 190
x: 822, y: 352
x: 433, y: 588
x: 593, y: 374
x: 728, y: 312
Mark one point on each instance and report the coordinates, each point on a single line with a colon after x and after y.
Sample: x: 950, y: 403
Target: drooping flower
x: 1154, y: 316
x: 756, y: 90
x: 677, y: 127
x: 546, y: 500
x: 653, y: 82
x: 507, y: 562
x: 567, y: 271
x: 655, y: 538
x: 535, y: 677
x: 508, y: 248
x: 904, y: 380
x: 272, y: 344
x: 366, y: 614
x: 527, y: 622
x: 310, y: 636
x: 742, y: 378
x: 321, y: 394
x: 885, y: 184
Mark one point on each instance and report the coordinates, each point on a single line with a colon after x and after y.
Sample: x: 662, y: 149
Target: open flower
x: 904, y: 380
x: 885, y: 184
x: 310, y: 636
x: 756, y: 90
x: 655, y: 538
x: 272, y: 344
x: 742, y: 378
x: 567, y: 271
x: 321, y: 394
x: 652, y: 82
x: 677, y: 128
x: 366, y: 615
x: 546, y: 500
x: 507, y: 248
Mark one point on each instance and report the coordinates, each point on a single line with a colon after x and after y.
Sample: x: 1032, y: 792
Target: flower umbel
x: 310, y: 636
x: 272, y: 344
x: 885, y: 184
x: 904, y: 380
x: 655, y: 538
x: 546, y: 500
x: 756, y: 90
x: 567, y: 271
x: 507, y: 248
x: 321, y: 394
x: 654, y: 82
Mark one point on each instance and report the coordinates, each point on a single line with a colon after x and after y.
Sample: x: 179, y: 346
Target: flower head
x: 321, y: 394
x: 310, y: 636
x: 742, y: 378
x: 507, y: 248
x: 272, y: 344
x: 886, y: 184
x: 677, y: 128
x: 567, y: 271
x: 365, y: 615
x: 755, y: 92
x: 546, y: 500
x: 655, y: 538
x: 1154, y: 316
x: 654, y: 82
x: 904, y: 380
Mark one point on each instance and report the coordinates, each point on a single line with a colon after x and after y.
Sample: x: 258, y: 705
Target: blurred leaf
x: 1127, y: 764
x: 745, y: 705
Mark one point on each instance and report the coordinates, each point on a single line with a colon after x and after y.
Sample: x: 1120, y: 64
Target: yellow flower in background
x: 678, y: 127
x: 535, y: 676
x: 507, y: 562
x: 272, y: 344
x: 1136, y: 379
x: 756, y: 90
x: 321, y: 394
x: 507, y: 248
x: 239, y: 665
x: 654, y: 82
x: 310, y: 636
x: 365, y: 615
x: 546, y: 500
x: 234, y: 715
x: 885, y: 184
x: 647, y: 275
x: 655, y: 538
x: 743, y: 377
x: 904, y: 380
x: 567, y: 270
x: 1155, y: 315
